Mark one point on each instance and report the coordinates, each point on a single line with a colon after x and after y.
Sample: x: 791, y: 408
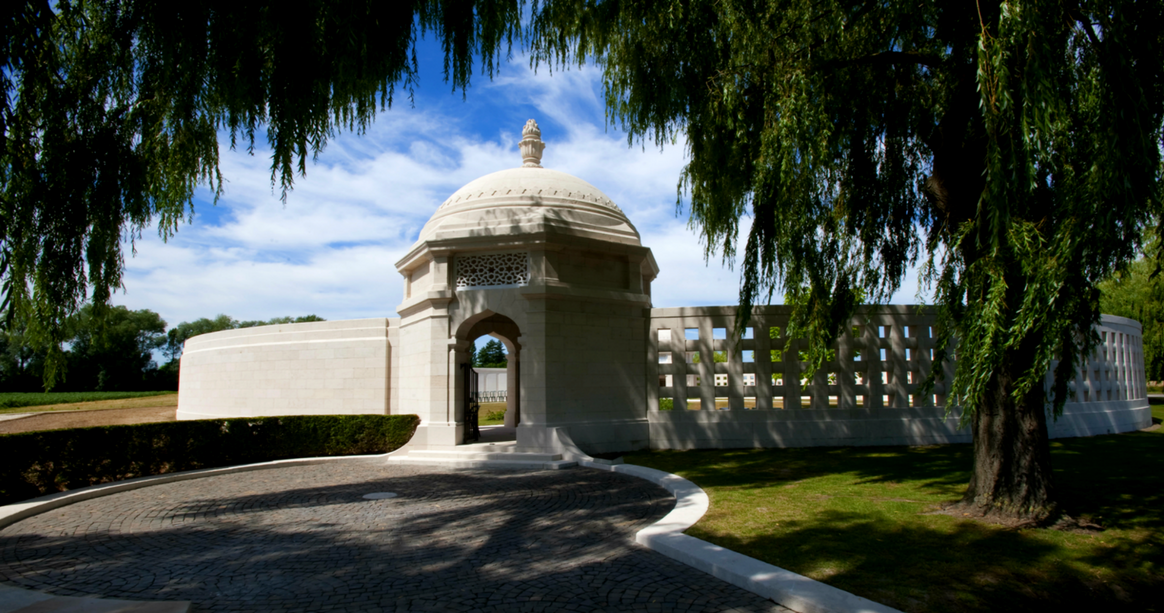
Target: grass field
x: 35, y: 402
x: 860, y: 519
x: 488, y: 408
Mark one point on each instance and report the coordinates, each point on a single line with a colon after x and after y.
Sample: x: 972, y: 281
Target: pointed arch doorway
x: 504, y: 329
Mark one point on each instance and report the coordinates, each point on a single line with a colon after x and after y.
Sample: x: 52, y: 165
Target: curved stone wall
x: 317, y: 368
x: 868, y: 395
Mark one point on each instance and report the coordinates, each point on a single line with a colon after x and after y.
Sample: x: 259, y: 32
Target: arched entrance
x: 502, y: 328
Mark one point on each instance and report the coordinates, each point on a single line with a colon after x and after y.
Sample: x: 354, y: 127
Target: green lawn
x: 856, y: 518
x: 9, y: 402
x: 496, y: 410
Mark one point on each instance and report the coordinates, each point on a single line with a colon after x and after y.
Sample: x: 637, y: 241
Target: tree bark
x: 1011, y: 479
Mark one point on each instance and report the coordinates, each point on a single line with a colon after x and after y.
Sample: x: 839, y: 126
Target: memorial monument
x: 549, y: 265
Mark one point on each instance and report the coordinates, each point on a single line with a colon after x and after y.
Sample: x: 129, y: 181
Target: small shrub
x: 39, y: 463
x: 666, y: 404
x: 495, y: 416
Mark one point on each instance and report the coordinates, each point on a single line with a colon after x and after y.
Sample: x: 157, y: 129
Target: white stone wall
x: 317, y: 368
x: 394, y: 406
x: 867, y: 395
x: 594, y: 373
x: 491, y: 380
x: 586, y: 372
x: 425, y: 374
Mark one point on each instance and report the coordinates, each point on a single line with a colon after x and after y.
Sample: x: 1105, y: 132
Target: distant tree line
x: 113, y: 352
x: 177, y: 336
x: 1138, y: 293
x: 492, y: 355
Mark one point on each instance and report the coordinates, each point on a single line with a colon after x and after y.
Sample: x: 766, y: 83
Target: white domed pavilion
x: 548, y: 264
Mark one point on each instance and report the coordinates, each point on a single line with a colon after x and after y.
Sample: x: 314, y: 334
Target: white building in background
x: 546, y: 263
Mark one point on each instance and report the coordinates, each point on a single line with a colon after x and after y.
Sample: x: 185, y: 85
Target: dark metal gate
x: 472, y: 408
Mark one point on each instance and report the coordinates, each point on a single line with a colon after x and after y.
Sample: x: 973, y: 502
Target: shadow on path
x: 305, y: 539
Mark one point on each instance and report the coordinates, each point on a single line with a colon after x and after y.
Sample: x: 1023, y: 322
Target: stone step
x: 510, y: 462
x: 509, y: 447
x: 480, y: 454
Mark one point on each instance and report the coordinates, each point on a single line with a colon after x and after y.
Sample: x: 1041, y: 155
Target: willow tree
x: 112, y: 111
x: 1012, y: 149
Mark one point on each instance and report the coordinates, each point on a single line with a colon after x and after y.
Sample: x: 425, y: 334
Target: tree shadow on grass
x: 969, y: 567
x: 1115, y: 480
x: 937, y: 467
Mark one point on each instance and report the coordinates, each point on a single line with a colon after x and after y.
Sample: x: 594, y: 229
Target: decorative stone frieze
x: 580, y: 195
x: 494, y: 270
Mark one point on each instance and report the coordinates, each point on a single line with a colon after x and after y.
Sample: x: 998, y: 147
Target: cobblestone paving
x: 305, y: 539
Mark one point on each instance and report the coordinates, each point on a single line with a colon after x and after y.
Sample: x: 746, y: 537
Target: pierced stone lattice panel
x: 493, y: 270
x: 880, y: 363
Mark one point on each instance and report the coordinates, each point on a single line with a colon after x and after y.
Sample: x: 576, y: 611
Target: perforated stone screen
x: 492, y: 270
x: 879, y: 362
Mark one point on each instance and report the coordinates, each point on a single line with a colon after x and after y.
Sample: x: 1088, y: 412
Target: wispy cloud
x: 331, y: 248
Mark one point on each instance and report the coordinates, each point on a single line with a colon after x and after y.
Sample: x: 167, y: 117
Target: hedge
x: 39, y: 463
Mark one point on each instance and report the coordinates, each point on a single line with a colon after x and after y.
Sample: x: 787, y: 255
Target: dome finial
x: 531, y: 145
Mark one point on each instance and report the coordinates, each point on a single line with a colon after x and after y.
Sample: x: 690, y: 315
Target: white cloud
x: 331, y: 248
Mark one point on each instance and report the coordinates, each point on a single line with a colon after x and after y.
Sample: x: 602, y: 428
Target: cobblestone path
x: 305, y: 539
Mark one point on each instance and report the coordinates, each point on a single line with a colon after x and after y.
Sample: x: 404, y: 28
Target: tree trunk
x: 1011, y: 479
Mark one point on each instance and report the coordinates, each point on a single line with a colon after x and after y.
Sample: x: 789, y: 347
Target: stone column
x: 513, y: 390
x: 461, y: 354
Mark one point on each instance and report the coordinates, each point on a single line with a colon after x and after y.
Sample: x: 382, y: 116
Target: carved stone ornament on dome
x: 531, y: 145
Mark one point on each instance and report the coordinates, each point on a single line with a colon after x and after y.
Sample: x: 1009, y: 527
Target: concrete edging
x: 785, y: 587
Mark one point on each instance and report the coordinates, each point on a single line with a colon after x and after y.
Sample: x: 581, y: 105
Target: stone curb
x: 486, y: 464
x: 15, y: 416
x: 785, y: 587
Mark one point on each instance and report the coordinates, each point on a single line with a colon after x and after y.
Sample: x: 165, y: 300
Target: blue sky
x: 331, y: 250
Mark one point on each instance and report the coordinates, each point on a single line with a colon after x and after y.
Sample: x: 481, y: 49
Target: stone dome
x: 529, y: 200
